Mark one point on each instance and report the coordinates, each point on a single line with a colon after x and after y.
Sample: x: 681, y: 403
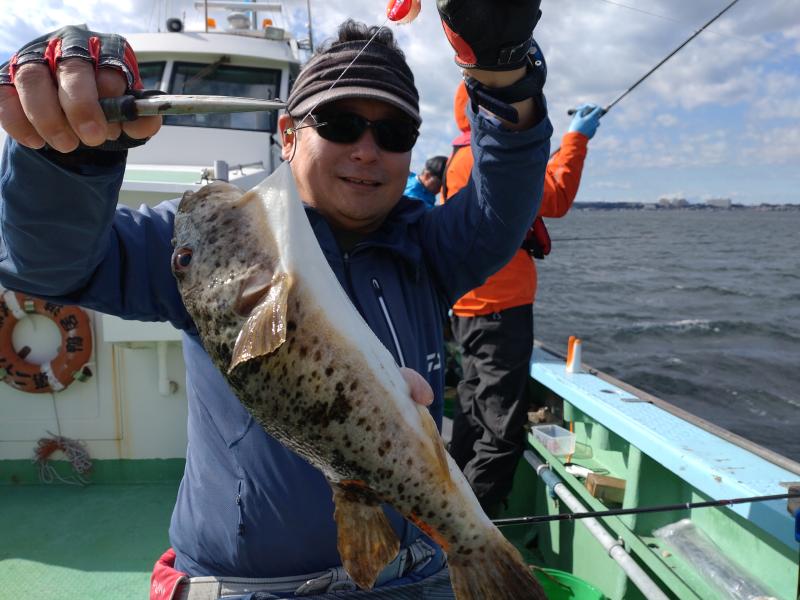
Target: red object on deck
x: 165, y: 578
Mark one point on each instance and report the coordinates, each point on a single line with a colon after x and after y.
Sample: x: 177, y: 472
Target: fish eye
x: 182, y: 259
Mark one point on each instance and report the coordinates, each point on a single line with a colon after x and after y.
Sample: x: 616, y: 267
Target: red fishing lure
x: 403, y: 11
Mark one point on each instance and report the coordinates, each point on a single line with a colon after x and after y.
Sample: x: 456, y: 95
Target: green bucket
x: 560, y: 585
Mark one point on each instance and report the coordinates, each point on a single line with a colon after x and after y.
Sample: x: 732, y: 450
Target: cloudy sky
x: 720, y: 119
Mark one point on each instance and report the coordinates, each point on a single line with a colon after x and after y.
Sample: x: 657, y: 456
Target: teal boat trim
x: 714, y: 466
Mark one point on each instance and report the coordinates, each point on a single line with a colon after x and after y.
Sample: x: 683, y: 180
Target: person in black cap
x: 428, y: 183
x: 250, y: 515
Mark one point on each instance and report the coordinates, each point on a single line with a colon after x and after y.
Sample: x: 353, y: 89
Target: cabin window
x: 151, y: 74
x: 218, y: 79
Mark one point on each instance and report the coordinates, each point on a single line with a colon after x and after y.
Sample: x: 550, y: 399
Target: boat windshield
x: 151, y: 74
x: 225, y: 80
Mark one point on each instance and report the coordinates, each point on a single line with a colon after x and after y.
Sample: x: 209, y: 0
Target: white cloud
x: 747, y: 62
x: 610, y: 185
x: 667, y: 120
x: 779, y: 98
x: 774, y: 146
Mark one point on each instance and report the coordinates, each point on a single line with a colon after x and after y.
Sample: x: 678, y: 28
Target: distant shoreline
x: 764, y: 207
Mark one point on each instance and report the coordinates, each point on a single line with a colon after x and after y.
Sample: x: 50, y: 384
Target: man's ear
x: 288, y: 136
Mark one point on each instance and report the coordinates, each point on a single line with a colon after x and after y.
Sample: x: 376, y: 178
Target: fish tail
x: 497, y: 572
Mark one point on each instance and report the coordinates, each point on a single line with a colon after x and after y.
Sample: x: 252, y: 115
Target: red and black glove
x: 537, y: 239
x: 98, y: 49
x: 490, y: 34
x: 72, y: 41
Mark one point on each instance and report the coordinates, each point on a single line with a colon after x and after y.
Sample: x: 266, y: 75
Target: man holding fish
x: 310, y: 470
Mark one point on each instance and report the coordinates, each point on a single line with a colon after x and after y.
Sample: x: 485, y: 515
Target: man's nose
x: 365, y: 148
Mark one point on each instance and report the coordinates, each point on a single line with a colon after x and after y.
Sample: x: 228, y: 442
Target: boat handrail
x: 614, y: 548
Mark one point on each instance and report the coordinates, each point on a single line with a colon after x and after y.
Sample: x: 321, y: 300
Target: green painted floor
x: 98, y: 542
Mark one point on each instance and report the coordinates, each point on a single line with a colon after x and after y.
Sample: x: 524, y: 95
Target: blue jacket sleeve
x: 479, y: 229
x: 63, y: 238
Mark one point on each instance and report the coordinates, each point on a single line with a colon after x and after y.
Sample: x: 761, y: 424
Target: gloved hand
x: 537, y: 239
x: 489, y: 34
x: 587, y: 119
x: 58, y: 79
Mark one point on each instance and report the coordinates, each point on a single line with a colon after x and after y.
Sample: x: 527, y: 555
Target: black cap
x: 379, y: 73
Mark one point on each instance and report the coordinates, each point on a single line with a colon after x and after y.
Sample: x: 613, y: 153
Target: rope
x: 75, y: 451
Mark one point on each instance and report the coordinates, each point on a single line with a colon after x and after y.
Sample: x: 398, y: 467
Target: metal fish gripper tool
x: 153, y: 103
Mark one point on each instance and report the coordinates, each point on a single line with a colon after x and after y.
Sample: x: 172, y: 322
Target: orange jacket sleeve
x: 563, y: 176
x: 457, y: 172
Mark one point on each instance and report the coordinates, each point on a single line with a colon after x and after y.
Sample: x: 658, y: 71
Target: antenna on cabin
x: 310, y: 34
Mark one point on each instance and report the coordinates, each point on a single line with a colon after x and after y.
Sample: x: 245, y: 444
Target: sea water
x: 700, y: 308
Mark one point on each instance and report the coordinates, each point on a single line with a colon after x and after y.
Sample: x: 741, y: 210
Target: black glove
x: 490, y: 34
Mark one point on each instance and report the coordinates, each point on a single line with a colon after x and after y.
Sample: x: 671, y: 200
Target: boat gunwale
x: 771, y: 456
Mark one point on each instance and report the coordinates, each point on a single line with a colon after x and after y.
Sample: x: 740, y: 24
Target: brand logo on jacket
x: 434, y: 362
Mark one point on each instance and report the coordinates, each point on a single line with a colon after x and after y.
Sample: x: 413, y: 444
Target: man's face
x: 354, y: 186
x: 430, y: 181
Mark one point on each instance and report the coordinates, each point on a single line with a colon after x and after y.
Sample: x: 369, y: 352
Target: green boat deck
x: 99, y: 541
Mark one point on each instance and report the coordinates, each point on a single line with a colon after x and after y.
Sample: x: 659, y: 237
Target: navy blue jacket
x: 247, y: 506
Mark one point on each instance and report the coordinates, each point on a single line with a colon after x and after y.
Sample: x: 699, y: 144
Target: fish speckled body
x: 300, y: 358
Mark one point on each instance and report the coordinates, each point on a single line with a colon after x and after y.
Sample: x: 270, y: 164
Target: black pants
x: 491, y: 411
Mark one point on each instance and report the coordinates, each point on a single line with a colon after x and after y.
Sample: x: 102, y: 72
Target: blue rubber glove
x: 587, y: 119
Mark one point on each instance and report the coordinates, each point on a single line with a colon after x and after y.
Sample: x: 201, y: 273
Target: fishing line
x: 637, y: 511
x: 681, y: 22
x: 291, y: 130
x: 639, y: 10
x: 658, y: 66
x: 605, y: 237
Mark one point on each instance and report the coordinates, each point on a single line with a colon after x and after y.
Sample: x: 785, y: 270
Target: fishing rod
x: 605, y: 237
x: 636, y: 511
x: 644, y: 77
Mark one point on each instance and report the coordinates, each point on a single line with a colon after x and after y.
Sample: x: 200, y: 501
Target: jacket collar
x: 392, y: 235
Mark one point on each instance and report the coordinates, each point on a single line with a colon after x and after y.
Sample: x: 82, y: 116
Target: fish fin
x: 436, y: 439
x: 365, y: 538
x: 265, y: 329
x: 497, y: 572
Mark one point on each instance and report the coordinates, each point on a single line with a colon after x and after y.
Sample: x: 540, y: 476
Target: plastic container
x: 556, y: 440
x: 559, y: 585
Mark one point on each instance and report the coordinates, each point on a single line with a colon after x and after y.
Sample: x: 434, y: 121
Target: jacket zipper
x: 238, y: 500
x: 379, y: 293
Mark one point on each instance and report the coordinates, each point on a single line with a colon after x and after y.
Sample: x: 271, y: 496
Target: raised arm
x: 479, y: 229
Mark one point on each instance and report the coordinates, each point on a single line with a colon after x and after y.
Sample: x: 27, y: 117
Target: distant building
x: 723, y: 203
x: 666, y: 202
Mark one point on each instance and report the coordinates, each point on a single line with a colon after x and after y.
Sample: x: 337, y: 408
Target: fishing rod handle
x: 123, y: 108
x: 119, y: 109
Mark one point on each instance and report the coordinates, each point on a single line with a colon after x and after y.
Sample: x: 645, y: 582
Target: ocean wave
x: 715, y: 289
x: 705, y: 327
x: 680, y: 326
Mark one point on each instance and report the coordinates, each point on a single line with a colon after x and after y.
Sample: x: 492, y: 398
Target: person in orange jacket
x: 493, y: 324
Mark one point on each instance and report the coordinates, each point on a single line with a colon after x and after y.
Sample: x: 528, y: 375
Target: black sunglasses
x: 392, y: 135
